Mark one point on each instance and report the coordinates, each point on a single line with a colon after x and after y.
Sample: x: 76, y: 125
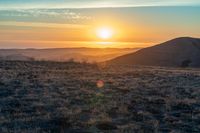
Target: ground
x: 76, y: 98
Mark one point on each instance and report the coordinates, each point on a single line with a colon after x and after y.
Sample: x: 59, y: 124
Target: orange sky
x: 131, y: 27
x: 41, y: 35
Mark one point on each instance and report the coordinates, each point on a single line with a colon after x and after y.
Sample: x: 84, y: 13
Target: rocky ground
x: 77, y: 98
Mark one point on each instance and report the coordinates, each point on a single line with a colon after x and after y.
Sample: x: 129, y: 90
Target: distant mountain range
x: 64, y: 54
x: 179, y: 52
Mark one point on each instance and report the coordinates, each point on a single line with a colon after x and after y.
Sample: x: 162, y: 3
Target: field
x: 76, y: 98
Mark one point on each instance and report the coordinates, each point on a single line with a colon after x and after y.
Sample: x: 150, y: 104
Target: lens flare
x: 100, y: 84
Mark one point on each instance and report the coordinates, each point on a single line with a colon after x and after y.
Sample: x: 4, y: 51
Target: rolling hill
x: 64, y: 54
x: 179, y: 52
x: 16, y: 57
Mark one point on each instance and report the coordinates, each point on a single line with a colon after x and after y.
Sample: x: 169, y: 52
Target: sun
x: 104, y: 33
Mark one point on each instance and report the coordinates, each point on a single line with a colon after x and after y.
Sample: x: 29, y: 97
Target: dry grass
x: 64, y: 97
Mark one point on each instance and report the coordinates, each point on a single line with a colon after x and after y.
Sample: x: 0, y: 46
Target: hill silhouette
x: 179, y: 52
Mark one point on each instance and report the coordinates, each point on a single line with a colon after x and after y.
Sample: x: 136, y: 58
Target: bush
x: 186, y: 63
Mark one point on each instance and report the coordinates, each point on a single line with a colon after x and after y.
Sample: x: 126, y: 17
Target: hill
x: 15, y: 57
x: 184, y: 52
x: 65, y: 54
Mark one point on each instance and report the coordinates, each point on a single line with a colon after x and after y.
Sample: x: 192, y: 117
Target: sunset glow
x: 105, y: 33
x: 99, y: 66
x: 108, y: 23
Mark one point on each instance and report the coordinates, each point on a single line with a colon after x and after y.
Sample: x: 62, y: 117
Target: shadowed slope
x: 183, y: 52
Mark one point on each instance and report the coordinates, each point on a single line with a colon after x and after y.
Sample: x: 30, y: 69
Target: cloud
x: 45, y: 14
x: 65, y: 13
x: 44, y: 25
x: 23, y: 4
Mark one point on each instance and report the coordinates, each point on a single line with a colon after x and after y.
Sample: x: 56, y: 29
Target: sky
x: 73, y: 23
x: 92, y: 3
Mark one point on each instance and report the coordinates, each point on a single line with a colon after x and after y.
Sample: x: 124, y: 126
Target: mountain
x: 65, y: 54
x: 179, y: 52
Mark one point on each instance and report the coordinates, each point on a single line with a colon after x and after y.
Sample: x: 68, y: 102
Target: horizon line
x: 46, y: 48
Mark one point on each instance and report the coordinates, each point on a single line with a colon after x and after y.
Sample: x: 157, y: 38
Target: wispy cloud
x: 16, y: 4
x: 44, y: 25
x: 62, y: 13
